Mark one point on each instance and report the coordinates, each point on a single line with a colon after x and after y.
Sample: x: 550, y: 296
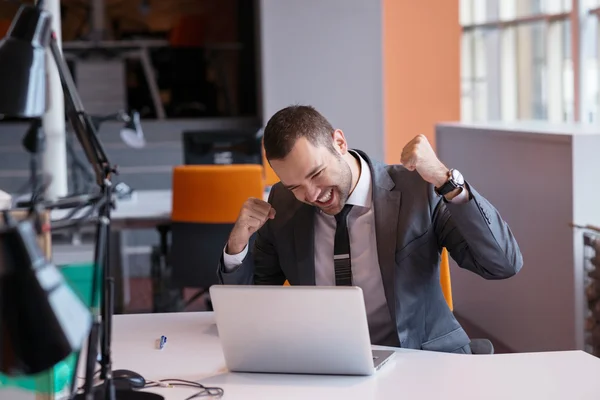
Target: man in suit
x: 339, y: 218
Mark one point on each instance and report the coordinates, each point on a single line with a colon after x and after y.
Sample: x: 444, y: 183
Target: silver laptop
x: 295, y: 329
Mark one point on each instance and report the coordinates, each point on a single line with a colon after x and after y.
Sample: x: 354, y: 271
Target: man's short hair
x: 291, y: 123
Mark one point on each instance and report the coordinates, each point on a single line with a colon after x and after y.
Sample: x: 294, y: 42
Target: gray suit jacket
x: 412, y: 226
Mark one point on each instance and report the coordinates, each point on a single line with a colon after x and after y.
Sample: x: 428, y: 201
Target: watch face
x: 457, y: 177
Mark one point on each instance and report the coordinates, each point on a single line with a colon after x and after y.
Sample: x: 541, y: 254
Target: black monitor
x: 225, y: 146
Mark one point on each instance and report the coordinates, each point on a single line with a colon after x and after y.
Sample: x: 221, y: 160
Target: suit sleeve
x: 476, y: 236
x: 260, y: 266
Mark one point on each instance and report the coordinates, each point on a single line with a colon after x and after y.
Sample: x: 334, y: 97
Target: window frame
x: 506, y: 19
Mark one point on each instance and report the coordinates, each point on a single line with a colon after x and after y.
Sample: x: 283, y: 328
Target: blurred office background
x: 506, y: 90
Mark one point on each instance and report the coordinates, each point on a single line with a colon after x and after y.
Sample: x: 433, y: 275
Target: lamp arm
x: 120, y: 116
x: 86, y: 134
x: 81, y: 122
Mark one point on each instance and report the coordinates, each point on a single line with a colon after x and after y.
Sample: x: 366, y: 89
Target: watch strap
x: 450, y: 185
x: 446, y: 188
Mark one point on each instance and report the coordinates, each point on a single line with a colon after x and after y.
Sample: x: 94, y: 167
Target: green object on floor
x: 57, y: 380
x: 51, y: 382
x: 79, y: 277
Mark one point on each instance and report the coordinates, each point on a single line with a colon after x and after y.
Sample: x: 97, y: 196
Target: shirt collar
x: 361, y: 195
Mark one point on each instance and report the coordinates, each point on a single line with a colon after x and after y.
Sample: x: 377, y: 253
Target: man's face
x: 316, y: 175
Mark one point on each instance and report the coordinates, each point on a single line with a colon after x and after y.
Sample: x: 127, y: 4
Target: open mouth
x: 326, y: 199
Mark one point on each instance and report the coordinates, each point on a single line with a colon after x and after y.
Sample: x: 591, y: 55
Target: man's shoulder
x: 397, y: 170
x: 416, y: 192
x: 279, y: 193
x: 283, y: 199
x: 286, y: 208
x: 393, y: 170
x: 399, y: 174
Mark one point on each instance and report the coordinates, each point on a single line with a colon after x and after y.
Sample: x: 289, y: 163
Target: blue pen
x: 163, y: 341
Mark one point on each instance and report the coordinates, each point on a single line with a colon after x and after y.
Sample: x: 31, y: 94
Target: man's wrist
x: 442, y: 177
x: 452, y: 186
x: 232, y: 261
x: 451, y: 195
x: 233, y: 248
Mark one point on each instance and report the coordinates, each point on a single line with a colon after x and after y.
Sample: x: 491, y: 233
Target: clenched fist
x: 419, y: 155
x: 253, y: 215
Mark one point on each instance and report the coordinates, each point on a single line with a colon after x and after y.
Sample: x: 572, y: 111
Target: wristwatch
x: 455, y: 180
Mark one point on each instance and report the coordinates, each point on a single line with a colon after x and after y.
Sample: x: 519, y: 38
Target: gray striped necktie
x: 341, y: 249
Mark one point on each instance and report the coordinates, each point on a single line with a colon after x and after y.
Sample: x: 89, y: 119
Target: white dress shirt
x: 366, y: 272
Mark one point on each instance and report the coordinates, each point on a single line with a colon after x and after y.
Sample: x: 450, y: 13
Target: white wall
x: 327, y: 53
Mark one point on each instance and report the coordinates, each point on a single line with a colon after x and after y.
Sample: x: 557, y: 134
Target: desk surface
x: 145, y: 209
x: 193, y: 352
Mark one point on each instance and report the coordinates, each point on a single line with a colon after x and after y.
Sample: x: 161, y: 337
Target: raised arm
x: 476, y: 236
x: 472, y: 230
x: 260, y: 265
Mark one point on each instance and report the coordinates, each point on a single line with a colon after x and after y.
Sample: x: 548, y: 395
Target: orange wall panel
x: 421, y: 62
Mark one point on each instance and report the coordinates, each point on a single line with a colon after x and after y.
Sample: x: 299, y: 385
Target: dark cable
x: 92, y: 205
x: 207, y: 391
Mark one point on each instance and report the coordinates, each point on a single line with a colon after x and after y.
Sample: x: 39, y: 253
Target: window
x: 516, y: 60
x: 590, y: 12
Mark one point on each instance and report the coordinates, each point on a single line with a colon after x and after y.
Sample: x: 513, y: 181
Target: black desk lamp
x: 131, y: 134
x: 23, y: 95
x: 42, y: 320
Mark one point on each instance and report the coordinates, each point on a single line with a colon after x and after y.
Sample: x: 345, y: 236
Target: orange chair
x: 478, y: 346
x: 445, y: 279
x: 4, y: 25
x: 206, y: 203
x: 270, y: 177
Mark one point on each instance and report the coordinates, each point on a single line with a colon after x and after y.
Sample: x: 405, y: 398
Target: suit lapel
x: 304, y: 239
x: 386, y: 207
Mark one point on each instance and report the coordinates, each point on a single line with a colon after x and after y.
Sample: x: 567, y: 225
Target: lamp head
x: 34, y: 139
x: 23, y: 91
x: 42, y: 320
x: 132, y: 133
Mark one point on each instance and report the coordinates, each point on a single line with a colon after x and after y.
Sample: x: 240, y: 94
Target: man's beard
x: 342, y: 189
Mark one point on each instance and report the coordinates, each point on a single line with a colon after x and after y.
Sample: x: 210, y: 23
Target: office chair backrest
x: 206, y: 203
x: 4, y: 25
x: 478, y: 345
x: 270, y: 177
x: 445, y: 278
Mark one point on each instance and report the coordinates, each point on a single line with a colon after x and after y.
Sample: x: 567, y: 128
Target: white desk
x: 193, y: 352
x: 146, y: 209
